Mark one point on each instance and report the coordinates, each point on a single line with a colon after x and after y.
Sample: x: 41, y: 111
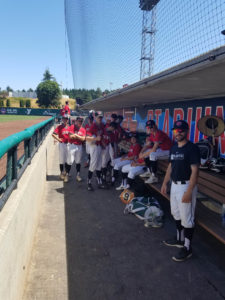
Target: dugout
x: 187, y: 91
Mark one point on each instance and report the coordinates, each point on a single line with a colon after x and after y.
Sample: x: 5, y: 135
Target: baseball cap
x: 120, y: 117
x: 150, y: 123
x: 79, y: 119
x: 180, y: 124
x: 99, y: 116
x: 114, y: 116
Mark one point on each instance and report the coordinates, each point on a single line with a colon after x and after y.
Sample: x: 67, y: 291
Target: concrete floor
x: 85, y: 248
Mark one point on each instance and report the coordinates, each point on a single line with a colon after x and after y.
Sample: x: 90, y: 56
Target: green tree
x: 28, y: 104
x: 1, y: 103
x: 48, y: 93
x: 8, y: 104
x: 22, y: 103
x: 9, y: 89
x: 30, y: 90
x: 48, y: 76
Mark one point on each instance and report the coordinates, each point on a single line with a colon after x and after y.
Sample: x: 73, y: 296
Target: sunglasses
x: 178, y: 131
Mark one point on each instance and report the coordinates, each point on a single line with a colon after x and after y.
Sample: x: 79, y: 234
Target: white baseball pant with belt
x: 74, y: 154
x: 132, y: 171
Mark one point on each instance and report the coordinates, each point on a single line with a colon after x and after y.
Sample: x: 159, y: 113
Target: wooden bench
x: 211, y: 188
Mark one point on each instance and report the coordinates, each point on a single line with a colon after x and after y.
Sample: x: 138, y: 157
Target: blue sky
x: 104, y: 39
x: 32, y: 39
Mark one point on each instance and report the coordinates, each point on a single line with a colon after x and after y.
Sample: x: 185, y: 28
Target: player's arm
x: 77, y: 136
x: 153, y: 149
x: 56, y: 137
x: 166, y: 180
x: 193, y: 181
x: 93, y: 139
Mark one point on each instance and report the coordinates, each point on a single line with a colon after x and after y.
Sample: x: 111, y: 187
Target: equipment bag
x: 147, y: 209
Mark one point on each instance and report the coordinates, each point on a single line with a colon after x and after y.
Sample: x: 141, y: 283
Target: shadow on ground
x: 113, y: 256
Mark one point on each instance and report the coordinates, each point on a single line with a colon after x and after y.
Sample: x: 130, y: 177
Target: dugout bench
x: 211, y: 195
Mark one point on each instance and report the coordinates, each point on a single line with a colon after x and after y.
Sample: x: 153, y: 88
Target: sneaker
x: 120, y: 188
x: 62, y: 176
x: 145, y: 174
x: 183, y: 254
x: 127, y: 187
x: 78, y: 178
x: 152, y: 179
x: 90, y: 187
x: 174, y: 243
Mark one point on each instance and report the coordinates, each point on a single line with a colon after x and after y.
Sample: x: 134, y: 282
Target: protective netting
x: 105, y: 37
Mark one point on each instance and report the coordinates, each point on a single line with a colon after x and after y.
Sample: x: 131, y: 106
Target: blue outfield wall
x: 28, y: 111
x: 166, y: 114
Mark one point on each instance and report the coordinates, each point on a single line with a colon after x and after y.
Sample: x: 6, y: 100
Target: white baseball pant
x: 159, y: 154
x: 105, y: 156
x: 132, y: 171
x: 63, y: 153
x: 118, y: 163
x: 74, y: 154
x: 88, y: 147
x: 179, y: 210
x: 96, y: 158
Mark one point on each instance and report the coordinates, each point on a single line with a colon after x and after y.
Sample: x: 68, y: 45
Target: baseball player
x: 161, y: 144
x: 87, y: 128
x: 106, y: 146
x: 77, y: 136
x: 126, y: 159
x: 136, y: 167
x: 61, y: 134
x: 94, y: 136
x: 183, y: 171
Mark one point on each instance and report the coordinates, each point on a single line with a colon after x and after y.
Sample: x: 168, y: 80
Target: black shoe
x: 90, y: 188
x: 183, y: 254
x: 174, y: 243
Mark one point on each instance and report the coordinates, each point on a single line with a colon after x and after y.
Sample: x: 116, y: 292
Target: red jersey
x: 120, y: 133
x: 80, y: 131
x: 134, y: 150
x: 63, y: 133
x: 67, y: 109
x: 96, y: 130
x: 106, y: 138
x: 87, y: 127
x: 162, y: 138
x: 62, y: 112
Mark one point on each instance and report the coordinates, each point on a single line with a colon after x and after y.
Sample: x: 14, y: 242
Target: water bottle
x: 223, y: 215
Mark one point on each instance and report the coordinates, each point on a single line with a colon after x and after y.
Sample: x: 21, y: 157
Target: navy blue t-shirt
x: 181, y: 159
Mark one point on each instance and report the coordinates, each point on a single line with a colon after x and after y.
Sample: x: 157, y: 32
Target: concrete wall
x: 18, y: 223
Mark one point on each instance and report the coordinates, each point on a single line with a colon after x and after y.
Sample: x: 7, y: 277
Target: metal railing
x: 32, y: 137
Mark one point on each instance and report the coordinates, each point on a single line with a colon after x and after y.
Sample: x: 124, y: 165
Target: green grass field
x: 9, y: 118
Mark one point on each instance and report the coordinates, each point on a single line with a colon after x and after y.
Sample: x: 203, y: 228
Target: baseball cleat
x: 152, y: 179
x: 89, y: 187
x: 62, y: 176
x: 145, y: 174
x: 66, y: 178
x: 174, y: 243
x: 120, y: 188
x: 183, y: 254
x: 78, y: 178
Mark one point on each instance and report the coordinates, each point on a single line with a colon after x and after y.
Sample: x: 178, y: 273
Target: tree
x: 8, y: 104
x: 48, y: 93
x: 30, y: 90
x: 9, y: 89
x: 48, y: 76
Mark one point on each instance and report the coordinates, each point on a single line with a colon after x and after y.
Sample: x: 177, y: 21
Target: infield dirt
x: 9, y: 128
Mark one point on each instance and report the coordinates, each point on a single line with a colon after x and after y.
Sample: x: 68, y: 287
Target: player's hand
x: 187, y: 197
x: 140, y: 155
x: 98, y: 138
x: 60, y: 140
x: 164, y: 189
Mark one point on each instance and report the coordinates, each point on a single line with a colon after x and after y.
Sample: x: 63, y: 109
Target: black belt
x: 181, y: 182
